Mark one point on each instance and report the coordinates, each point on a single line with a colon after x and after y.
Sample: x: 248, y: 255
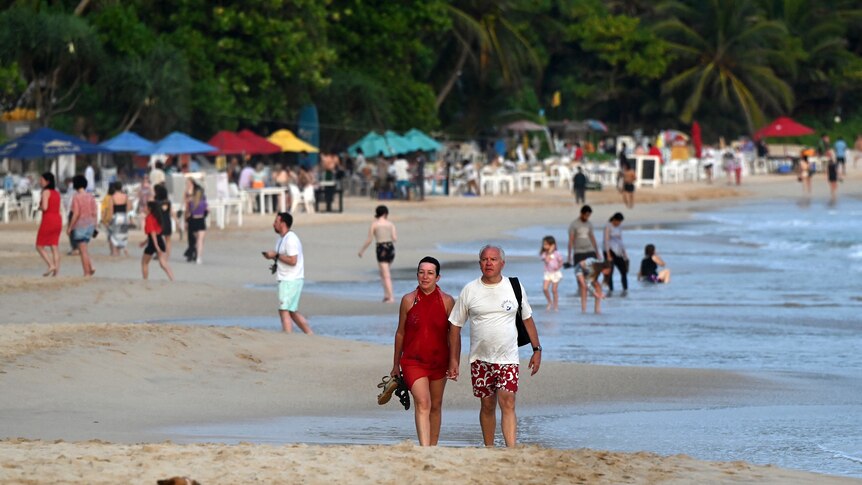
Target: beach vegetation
x: 458, y: 68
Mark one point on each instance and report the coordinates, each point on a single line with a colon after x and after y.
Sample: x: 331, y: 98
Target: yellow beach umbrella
x: 290, y: 143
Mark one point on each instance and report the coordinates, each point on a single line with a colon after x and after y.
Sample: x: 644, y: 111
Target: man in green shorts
x: 290, y: 269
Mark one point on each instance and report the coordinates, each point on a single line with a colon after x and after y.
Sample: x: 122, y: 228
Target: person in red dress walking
x: 422, y: 348
x: 155, y: 243
x: 51, y: 225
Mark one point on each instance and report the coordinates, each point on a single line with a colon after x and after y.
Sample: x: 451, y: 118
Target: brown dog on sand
x: 178, y: 481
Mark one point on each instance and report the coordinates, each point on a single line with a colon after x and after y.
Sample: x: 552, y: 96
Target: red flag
x: 695, y: 138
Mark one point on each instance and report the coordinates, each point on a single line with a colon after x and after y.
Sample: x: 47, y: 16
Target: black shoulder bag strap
x: 523, y: 337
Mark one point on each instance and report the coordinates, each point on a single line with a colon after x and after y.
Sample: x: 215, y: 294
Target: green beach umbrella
x: 372, y: 145
x: 398, y: 144
x: 422, y: 141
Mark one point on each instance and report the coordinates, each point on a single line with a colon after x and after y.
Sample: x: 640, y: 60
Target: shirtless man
x: 629, y: 178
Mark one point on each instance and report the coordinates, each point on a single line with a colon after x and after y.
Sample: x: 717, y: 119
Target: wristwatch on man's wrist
x: 537, y: 348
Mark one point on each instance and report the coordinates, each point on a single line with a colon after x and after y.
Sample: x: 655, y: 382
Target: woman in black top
x: 161, y: 197
x: 649, y: 267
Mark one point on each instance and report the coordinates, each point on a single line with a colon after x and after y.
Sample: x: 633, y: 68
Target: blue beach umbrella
x: 127, y: 141
x: 372, y: 145
x: 46, y: 142
x: 422, y: 142
x: 178, y: 143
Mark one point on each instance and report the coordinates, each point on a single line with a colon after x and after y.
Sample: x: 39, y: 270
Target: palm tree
x: 727, y: 51
x: 819, y: 29
x: 484, y: 33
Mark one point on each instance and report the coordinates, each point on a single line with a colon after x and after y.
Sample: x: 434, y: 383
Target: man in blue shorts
x: 289, y: 267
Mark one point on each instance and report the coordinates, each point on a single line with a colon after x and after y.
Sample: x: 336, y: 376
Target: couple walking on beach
x: 428, y: 345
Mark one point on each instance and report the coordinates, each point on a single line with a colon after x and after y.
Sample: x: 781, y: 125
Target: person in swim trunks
x: 383, y: 231
x: 490, y: 303
x: 629, y: 179
x: 422, y: 348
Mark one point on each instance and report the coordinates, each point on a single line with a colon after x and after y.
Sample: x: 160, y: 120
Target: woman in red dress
x: 51, y: 226
x: 422, y: 348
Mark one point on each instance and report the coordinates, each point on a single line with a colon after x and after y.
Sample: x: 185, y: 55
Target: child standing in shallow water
x: 553, y: 262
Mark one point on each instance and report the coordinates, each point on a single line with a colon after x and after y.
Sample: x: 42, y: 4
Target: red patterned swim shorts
x: 489, y: 378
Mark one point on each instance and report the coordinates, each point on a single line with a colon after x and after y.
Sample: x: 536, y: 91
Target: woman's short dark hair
x: 79, y: 182
x: 649, y: 250
x: 429, y: 259
x: 49, y: 177
x: 380, y: 211
x: 617, y: 217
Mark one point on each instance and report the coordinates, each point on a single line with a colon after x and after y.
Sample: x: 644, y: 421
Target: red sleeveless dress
x: 52, y: 222
x: 426, y: 339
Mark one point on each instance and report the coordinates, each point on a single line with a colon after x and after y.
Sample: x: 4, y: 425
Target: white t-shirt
x: 157, y: 176
x: 400, y: 166
x: 289, y: 245
x: 90, y: 175
x: 491, y: 311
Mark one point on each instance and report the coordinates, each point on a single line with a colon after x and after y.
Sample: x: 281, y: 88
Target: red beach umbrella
x: 783, y: 126
x: 696, y: 140
x: 228, y: 143
x: 258, y: 145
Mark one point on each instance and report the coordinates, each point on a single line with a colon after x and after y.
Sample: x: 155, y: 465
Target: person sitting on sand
x: 422, y: 348
x: 649, y: 267
x: 587, y: 272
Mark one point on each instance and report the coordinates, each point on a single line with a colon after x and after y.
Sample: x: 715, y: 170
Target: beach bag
x: 523, y: 337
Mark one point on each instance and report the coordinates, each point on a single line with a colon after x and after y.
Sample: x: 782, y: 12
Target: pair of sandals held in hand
x: 394, y: 385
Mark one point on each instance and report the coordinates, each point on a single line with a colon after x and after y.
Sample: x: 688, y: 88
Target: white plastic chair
x: 304, y: 197
x: 564, y: 176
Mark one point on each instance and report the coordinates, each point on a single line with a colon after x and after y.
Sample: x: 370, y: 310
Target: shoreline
x: 77, y: 374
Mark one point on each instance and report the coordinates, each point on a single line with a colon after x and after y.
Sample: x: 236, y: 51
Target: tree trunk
x: 82, y: 5
x: 447, y: 88
x: 134, y: 118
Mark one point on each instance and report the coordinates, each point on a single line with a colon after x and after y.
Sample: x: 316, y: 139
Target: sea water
x: 772, y: 289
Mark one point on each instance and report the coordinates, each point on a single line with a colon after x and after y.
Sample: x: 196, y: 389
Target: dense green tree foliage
x: 459, y: 67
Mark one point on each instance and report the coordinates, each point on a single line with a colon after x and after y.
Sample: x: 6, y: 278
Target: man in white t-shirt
x: 157, y: 174
x: 90, y: 175
x: 290, y: 269
x: 490, y: 304
x: 401, y: 169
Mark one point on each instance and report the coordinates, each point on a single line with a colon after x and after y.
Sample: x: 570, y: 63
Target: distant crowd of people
x: 155, y: 214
